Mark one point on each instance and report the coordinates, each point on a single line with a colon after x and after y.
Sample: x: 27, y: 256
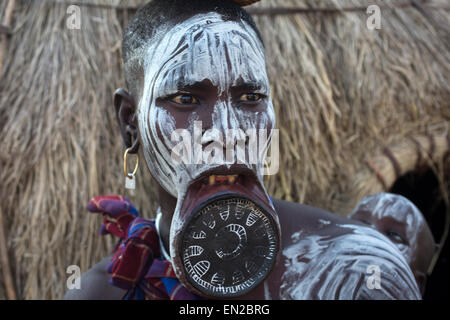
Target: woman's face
x: 205, y: 72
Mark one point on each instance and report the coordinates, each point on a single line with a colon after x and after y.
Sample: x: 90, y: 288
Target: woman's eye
x: 250, y: 97
x: 394, y: 236
x: 184, y: 99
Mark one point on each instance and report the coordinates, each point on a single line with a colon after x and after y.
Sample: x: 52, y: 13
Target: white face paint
x: 377, y: 209
x: 202, y: 47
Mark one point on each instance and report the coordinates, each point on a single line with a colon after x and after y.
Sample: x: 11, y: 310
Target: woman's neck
x: 167, y: 205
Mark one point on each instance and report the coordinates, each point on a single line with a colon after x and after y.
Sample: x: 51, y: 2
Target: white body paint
x: 400, y: 209
x: 190, y: 52
x: 322, y: 221
x: 340, y: 264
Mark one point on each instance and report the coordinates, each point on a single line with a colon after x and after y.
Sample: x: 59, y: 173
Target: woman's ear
x: 125, y: 109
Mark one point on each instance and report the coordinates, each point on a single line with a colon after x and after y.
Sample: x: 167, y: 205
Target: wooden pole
x: 4, y: 37
x: 4, y: 258
x: 4, y: 262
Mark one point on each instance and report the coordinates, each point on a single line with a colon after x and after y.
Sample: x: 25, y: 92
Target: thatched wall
x: 341, y: 93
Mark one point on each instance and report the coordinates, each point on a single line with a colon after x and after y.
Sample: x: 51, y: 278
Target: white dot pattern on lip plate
x: 235, y: 256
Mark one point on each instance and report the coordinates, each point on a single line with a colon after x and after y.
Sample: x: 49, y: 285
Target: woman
x: 197, y: 73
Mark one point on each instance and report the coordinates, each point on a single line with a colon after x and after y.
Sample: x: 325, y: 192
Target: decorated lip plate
x: 229, y: 247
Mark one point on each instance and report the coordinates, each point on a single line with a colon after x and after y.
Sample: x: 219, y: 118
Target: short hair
x: 157, y: 14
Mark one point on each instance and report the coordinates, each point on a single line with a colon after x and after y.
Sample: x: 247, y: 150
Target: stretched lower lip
x: 203, y: 189
x: 201, y: 193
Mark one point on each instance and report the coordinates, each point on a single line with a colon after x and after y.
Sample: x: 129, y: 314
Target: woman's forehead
x: 207, y: 47
x: 211, y: 23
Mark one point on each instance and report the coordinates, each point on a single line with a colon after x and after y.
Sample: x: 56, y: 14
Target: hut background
x: 341, y: 92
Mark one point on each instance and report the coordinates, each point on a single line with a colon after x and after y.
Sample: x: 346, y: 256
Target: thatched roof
x: 341, y: 93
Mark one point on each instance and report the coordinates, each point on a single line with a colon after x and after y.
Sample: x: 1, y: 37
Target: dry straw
x: 342, y: 93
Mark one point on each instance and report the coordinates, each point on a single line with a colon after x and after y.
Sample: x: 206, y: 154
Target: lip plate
x: 217, y: 197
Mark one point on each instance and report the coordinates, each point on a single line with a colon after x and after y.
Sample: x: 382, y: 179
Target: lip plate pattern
x: 240, y: 247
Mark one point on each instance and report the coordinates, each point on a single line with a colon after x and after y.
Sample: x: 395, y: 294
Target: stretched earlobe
x: 125, y: 109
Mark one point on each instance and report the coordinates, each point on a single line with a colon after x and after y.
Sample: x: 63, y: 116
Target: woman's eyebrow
x: 249, y: 86
x: 173, y: 87
x: 197, y: 85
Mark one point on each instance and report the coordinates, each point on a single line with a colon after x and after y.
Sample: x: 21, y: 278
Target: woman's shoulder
x: 295, y: 216
x: 343, y: 253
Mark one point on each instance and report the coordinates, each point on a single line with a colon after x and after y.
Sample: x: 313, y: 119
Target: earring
x: 130, y: 178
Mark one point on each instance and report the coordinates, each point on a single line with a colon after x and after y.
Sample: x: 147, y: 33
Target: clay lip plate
x: 224, y: 195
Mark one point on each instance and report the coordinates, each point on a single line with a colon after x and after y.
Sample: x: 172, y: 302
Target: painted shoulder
x: 295, y: 217
x: 330, y: 257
